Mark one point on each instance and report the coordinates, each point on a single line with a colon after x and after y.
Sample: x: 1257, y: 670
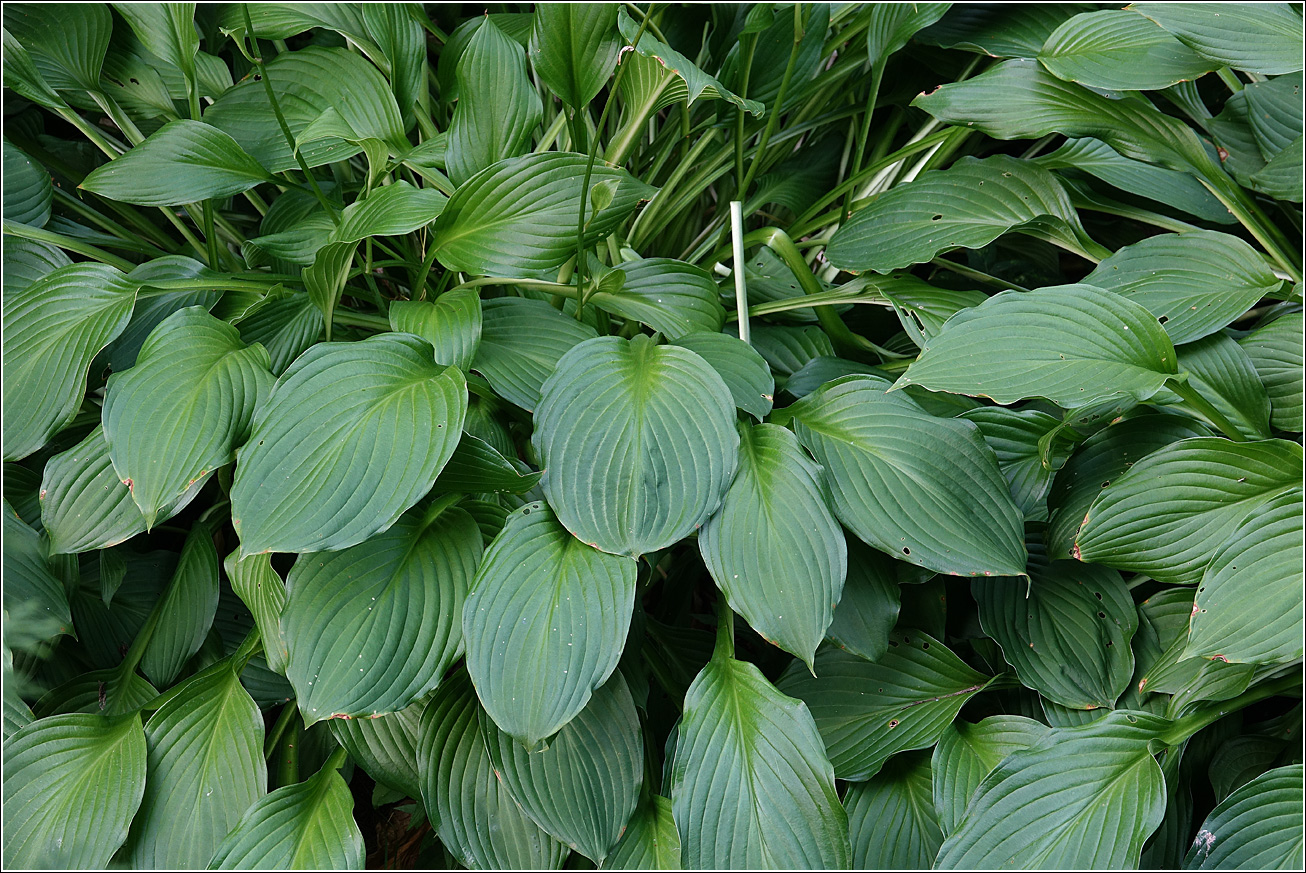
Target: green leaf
x: 26, y: 261
x: 307, y: 83
x: 1066, y: 630
x: 924, y: 489
x: 1120, y: 49
x: 325, y: 279
x: 697, y: 83
x: 517, y: 218
x: 1000, y: 30
x: 637, y: 442
x: 28, y: 189
x: 385, y: 746
x: 584, y: 787
x: 1169, y: 187
x: 923, y: 309
x: 1258, y: 827
x: 1015, y: 435
x: 1249, y: 605
x: 285, y: 325
x: 521, y: 344
x: 167, y: 30
x: 31, y: 588
x: 868, y: 609
x: 1101, y: 459
x: 206, y: 768
x: 670, y: 296
x: 183, y: 162
x: 967, y: 753
x: 1276, y: 351
x: 545, y: 624
x: 452, y: 325
x: 1082, y: 797
x: 1220, y: 371
x: 477, y: 467
x: 968, y: 205
x: 306, y: 826
x: 891, y: 818
x: 53, y: 329
x: 498, y: 107
x: 99, y: 692
x: 787, y: 350
x: 890, y: 27
x: 22, y: 76
x: 651, y: 841
x: 1209, y: 486
x: 264, y: 594
x: 470, y: 808
x: 751, y: 787
x: 574, y: 49
x: 392, y: 210
x: 867, y: 712
x: 407, y: 587
x: 66, y: 44
x: 1019, y: 99
x: 774, y: 548
x: 1274, y: 113
x: 744, y: 371
x: 1261, y: 38
x: 335, y: 435
x: 186, y: 610
x: 153, y: 308
x: 1282, y: 176
x: 180, y: 412
x: 1240, y: 760
x: 1078, y: 341
x: 72, y: 785
x: 402, y: 44
x: 1194, y: 283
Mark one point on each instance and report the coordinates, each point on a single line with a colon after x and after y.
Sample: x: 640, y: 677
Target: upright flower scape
x: 655, y: 436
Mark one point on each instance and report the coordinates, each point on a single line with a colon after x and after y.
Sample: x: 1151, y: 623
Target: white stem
x: 741, y: 292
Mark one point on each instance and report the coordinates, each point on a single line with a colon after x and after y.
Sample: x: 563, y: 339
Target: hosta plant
x: 652, y: 436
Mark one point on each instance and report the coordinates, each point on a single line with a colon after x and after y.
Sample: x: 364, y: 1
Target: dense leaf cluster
x: 719, y: 436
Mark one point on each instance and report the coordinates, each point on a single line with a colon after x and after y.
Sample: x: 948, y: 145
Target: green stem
x: 288, y: 760
x: 1189, y: 725
x: 39, y: 234
x: 750, y: 48
x: 349, y: 318
x: 288, y: 712
x: 569, y: 291
x: 1204, y: 408
x: 864, y: 131
x: 1256, y: 223
x: 1230, y: 79
x: 976, y: 275
x: 725, y: 629
x: 774, y: 117
x: 437, y: 508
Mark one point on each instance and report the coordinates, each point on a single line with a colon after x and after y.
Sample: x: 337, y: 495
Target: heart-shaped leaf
x: 452, y: 325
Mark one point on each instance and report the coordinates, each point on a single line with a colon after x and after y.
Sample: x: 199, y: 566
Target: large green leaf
x: 924, y: 489
x: 650, y: 842
x: 584, y: 787
x: 151, y: 309
x: 1258, y: 827
x: 670, y: 296
x: 184, y: 162
x: 336, y: 435
x: 1066, y: 630
x: 1102, y: 458
x: 31, y: 588
x: 774, y: 548
x: 544, y: 623
x: 385, y: 746
x: 186, y: 610
x: 1078, y: 342
x: 891, y: 817
x: 498, y: 107
x: 890, y: 27
x: 1249, y: 602
x: 470, y: 808
x: 574, y: 48
x: 392, y: 210
x: 285, y: 324
x: 28, y: 189
x: 1019, y: 99
x: 307, y: 83
x: 206, y: 768
x: 26, y: 261
x: 867, y: 712
x: 1220, y: 371
x: 967, y: 752
x: 66, y: 41
x: 745, y: 372
x: 264, y: 594
x: 305, y: 826
x: 167, y: 30
x: 1281, y: 177
x: 1120, y: 49
x: 1208, y: 485
x: 751, y: 787
x: 637, y: 442
x: 1261, y: 38
x: 968, y: 205
x: 1274, y: 113
x: 72, y: 785
x: 53, y: 329
x: 325, y: 279
x: 180, y: 412
x: 1081, y: 798
x: 521, y: 343
x: 868, y: 609
x: 1016, y: 437
x: 1000, y: 30
x: 1276, y: 352
x: 452, y: 325
x: 518, y: 217
x: 349, y: 614
x: 1194, y: 283
x: 477, y: 467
